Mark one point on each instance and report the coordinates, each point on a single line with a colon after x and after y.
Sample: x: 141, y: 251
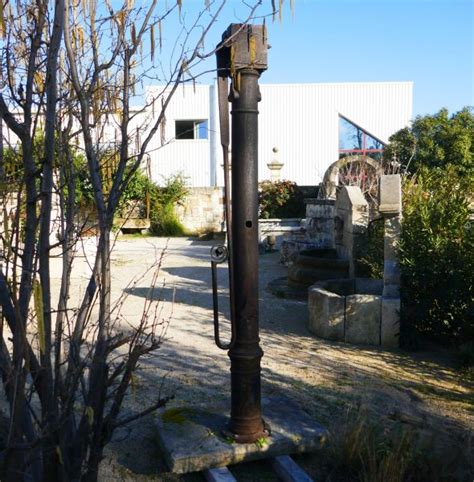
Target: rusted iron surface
x: 242, y: 57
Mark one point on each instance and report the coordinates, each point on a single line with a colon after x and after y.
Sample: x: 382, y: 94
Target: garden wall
x: 202, y: 210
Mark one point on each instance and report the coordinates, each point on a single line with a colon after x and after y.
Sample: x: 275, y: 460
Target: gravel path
x: 328, y: 379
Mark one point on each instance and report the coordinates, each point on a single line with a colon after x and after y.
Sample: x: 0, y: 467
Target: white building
x: 311, y: 125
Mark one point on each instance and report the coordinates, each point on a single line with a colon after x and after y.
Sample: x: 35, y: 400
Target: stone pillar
x: 275, y: 166
x: 351, y: 222
x: 390, y: 207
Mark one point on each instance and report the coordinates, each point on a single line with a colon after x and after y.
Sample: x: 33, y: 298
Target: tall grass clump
x: 363, y: 451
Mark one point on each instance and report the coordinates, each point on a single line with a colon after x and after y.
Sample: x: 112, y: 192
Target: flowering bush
x: 280, y: 199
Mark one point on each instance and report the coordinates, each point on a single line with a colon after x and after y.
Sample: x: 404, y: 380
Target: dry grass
x: 363, y: 451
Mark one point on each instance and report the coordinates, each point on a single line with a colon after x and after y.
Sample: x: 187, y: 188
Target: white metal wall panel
x: 186, y: 156
x: 301, y: 120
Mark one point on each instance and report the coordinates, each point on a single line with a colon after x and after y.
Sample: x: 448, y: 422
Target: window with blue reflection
x: 201, y: 129
x: 191, y: 129
x: 353, y: 140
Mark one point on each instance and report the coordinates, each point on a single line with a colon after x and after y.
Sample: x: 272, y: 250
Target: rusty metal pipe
x: 246, y: 424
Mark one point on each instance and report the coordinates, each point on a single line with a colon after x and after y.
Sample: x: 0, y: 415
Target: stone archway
x: 358, y: 171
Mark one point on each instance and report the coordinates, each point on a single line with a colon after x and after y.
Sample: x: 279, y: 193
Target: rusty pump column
x: 244, y: 58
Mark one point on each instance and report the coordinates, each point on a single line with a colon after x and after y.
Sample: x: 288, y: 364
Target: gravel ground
x: 330, y: 380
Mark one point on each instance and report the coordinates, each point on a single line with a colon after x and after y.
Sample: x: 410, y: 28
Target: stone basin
x: 317, y: 264
x: 346, y: 310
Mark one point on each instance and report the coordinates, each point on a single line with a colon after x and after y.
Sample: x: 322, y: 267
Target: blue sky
x: 429, y: 42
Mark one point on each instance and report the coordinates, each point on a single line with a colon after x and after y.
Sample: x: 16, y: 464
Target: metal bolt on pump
x: 242, y: 57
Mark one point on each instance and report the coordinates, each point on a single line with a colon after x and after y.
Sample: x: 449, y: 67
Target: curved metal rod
x: 223, y: 93
x: 217, y: 338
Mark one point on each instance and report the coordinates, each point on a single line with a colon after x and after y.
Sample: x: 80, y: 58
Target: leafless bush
x: 70, y: 72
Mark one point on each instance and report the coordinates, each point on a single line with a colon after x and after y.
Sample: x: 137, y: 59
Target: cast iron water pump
x: 242, y: 57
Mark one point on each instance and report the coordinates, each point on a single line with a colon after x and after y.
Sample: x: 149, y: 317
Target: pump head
x: 243, y: 46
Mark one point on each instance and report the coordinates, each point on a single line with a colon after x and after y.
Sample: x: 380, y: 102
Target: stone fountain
x: 325, y: 267
x: 335, y: 232
x: 360, y: 310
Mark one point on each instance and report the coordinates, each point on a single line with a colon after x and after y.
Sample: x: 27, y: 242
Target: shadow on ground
x: 331, y: 381
x: 344, y: 388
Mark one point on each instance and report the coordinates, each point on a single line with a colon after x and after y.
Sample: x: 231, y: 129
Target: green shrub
x: 162, y: 201
x: 372, y: 263
x: 84, y: 194
x: 465, y: 356
x: 437, y: 256
x: 280, y: 199
x: 11, y: 173
x: 436, y: 140
x: 164, y: 221
x: 138, y: 189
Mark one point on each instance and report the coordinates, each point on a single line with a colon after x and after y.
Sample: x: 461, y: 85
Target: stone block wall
x: 202, y: 210
x: 282, y: 229
x: 320, y: 222
x: 347, y: 310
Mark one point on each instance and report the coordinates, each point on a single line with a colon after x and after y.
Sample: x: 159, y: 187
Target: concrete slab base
x: 191, y: 437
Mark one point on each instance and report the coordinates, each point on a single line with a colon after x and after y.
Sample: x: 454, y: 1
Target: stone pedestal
x: 326, y: 313
x: 346, y: 310
x: 275, y: 166
x: 191, y: 437
x: 352, y: 219
x: 362, y: 319
x: 390, y: 326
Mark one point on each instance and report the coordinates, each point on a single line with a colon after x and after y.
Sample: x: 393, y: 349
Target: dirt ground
x: 331, y: 381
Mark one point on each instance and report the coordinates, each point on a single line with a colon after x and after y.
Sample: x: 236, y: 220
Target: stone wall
x: 281, y: 229
x: 320, y: 222
x: 202, y: 210
x: 358, y: 310
x: 346, y: 310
